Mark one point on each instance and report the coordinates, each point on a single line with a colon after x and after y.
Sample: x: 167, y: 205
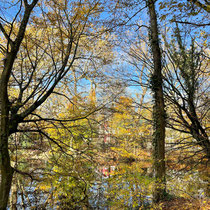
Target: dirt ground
x: 184, y: 204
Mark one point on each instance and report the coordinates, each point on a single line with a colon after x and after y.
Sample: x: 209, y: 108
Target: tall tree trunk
x: 6, y: 124
x: 5, y: 167
x: 158, y: 109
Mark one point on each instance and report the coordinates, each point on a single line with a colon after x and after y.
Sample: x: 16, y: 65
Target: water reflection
x: 113, y: 187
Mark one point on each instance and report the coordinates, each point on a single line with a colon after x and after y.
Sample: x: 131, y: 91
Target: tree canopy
x: 104, y: 104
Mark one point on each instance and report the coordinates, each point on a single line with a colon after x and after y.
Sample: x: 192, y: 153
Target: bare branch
x: 194, y: 24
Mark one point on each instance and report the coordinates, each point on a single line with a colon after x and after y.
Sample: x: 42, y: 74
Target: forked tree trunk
x: 158, y: 109
x: 5, y: 123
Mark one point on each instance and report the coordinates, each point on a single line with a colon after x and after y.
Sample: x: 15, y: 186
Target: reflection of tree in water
x: 122, y: 189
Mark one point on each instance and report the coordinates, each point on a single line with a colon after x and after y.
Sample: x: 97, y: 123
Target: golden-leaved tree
x: 41, y: 46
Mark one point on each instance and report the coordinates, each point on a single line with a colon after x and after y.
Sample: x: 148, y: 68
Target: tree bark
x: 158, y: 108
x: 5, y: 167
x: 6, y: 125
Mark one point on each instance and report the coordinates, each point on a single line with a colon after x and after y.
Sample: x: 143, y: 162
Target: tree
x: 186, y: 90
x: 40, y: 50
x: 11, y: 53
x: 156, y: 85
x: 71, y: 169
x: 186, y: 12
x: 159, y: 108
